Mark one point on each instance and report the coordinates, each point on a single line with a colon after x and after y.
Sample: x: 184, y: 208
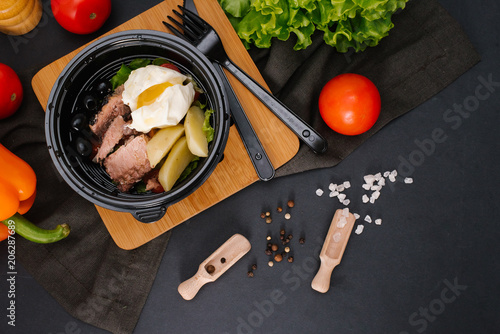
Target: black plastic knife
x: 258, y: 155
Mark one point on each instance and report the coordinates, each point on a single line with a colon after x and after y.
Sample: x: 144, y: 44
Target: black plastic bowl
x: 98, y: 62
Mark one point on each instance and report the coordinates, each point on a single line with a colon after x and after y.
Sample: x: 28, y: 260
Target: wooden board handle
x: 321, y: 282
x: 189, y: 288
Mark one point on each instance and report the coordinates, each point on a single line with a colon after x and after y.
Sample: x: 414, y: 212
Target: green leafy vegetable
x: 138, y: 63
x: 346, y: 24
x: 189, y: 169
x: 120, y: 77
x: 207, y: 128
x: 123, y: 73
x: 160, y: 61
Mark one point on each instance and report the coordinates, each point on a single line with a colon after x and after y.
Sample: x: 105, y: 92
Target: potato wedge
x: 196, y: 138
x: 177, y: 160
x: 162, y: 143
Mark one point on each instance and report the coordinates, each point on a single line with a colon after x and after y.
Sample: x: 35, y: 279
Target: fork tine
x: 175, y: 31
x: 193, y: 17
x: 188, y: 33
x: 190, y: 24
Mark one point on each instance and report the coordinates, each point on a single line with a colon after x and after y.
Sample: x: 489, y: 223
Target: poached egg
x: 157, y: 97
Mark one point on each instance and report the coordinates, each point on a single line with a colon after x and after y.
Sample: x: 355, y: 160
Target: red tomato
x: 81, y: 16
x: 11, y: 91
x: 171, y: 66
x: 349, y: 104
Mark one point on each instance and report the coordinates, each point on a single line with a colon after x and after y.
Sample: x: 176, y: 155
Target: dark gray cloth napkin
x: 105, y: 286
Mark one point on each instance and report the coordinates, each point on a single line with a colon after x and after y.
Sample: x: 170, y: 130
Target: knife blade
x: 258, y: 156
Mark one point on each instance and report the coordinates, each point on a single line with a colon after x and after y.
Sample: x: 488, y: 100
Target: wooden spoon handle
x: 321, y: 282
x: 189, y: 288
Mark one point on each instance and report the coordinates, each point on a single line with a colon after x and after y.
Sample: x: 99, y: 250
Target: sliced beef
x: 112, y: 137
x: 128, y: 164
x: 113, y: 108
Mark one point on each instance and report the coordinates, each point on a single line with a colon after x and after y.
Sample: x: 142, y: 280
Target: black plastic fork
x: 201, y: 35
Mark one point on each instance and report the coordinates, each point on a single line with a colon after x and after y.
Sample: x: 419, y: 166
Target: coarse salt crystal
x: 372, y: 199
x: 381, y: 182
x: 345, y: 212
x: 342, y: 222
x: 368, y: 219
x: 333, y: 194
x: 347, y: 184
x: 378, y: 176
x: 392, y: 178
x: 394, y: 172
x: 378, y: 221
x: 319, y: 192
x: 337, y: 236
x: 376, y: 187
x: 359, y: 229
x: 376, y: 194
x: 387, y: 173
x: 332, y: 186
x: 365, y: 198
x: 356, y: 215
x: 340, y: 188
x: 366, y: 186
x: 341, y: 197
x: 369, y: 179
x: 408, y: 180
x: 346, y: 202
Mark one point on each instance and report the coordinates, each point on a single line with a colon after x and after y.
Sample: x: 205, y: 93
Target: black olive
x: 83, y: 147
x: 79, y: 122
x: 90, y: 102
x: 103, y: 88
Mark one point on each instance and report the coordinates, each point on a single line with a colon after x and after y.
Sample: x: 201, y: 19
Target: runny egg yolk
x: 150, y: 95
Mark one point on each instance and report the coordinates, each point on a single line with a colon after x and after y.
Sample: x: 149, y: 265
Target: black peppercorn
x: 290, y: 259
x: 269, y: 252
x: 302, y: 240
x: 250, y: 274
x: 254, y: 266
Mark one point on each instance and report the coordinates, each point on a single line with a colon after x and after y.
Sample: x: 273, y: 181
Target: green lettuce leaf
x: 345, y: 24
x: 207, y: 128
x: 123, y: 73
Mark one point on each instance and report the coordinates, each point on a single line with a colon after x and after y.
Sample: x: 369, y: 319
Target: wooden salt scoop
x: 215, y: 265
x: 333, y: 249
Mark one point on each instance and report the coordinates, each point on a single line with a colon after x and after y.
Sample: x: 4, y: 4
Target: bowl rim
x: 138, y: 205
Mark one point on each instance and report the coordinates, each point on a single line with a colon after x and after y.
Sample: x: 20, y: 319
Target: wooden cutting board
x: 235, y: 172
